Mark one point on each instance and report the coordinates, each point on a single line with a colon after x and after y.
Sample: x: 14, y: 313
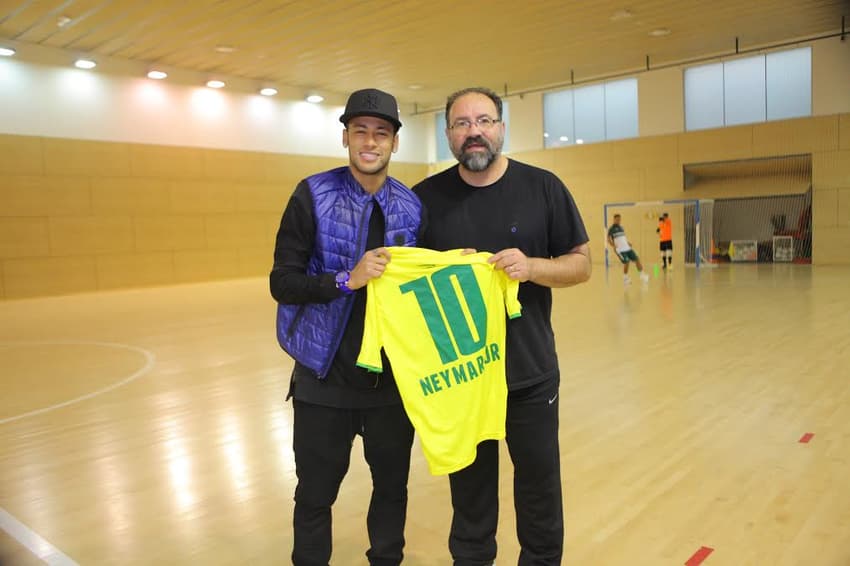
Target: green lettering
x: 426, y: 387
x: 465, y: 277
x: 494, y: 351
x: 445, y: 376
x: 431, y: 313
x: 459, y: 373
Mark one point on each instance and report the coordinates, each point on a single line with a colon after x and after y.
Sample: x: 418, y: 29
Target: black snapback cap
x: 371, y: 102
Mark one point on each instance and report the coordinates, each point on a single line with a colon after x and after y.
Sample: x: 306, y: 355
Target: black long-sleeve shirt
x: 346, y: 385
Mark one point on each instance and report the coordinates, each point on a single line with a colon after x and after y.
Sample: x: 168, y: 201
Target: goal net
x: 692, y: 223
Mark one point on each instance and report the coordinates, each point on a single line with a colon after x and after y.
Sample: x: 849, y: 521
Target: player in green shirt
x: 617, y: 240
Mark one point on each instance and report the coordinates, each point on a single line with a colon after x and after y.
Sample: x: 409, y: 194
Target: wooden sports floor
x: 149, y: 427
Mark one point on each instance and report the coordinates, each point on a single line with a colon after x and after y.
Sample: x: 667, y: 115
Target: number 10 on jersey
x: 436, y: 292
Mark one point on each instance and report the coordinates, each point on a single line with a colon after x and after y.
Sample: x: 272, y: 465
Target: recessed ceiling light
x: 215, y: 84
x: 85, y: 64
x: 660, y: 32
x: 225, y: 48
x: 157, y: 75
x: 268, y: 91
x: 315, y: 98
x: 7, y: 51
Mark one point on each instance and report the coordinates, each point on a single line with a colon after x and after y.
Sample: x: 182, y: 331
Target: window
x: 744, y: 91
x: 753, y: 89
x: 789, y: 79
x: 594, y: 113
x: 704, y: 97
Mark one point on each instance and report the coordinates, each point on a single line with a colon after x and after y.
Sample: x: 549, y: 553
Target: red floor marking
x: 699, y: 556
x: 807, y: 437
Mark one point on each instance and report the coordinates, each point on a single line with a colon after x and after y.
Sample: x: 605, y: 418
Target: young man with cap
x: 527, y: 218
x: 332, y: 240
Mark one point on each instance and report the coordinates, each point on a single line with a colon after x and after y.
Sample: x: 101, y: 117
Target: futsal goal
x: 692, y: 221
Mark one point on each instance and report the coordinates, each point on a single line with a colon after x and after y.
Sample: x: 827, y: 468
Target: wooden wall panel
x: 81, y: 215
x: 89, y: 158
x: 721, y: 144
x: 35, y: 277
x: 21, y: 155
x: 116, y: 271
x: 791, y: 137
x: 844, y: 131
x: 24, y: 237
x: 44, y: 196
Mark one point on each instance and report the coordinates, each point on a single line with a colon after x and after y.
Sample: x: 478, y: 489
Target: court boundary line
x: 150, y: 361
x: 31, y: 540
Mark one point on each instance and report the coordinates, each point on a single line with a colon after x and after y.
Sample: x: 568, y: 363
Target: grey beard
x: 478, y: 161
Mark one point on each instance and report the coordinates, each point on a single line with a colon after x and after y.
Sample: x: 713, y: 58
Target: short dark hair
x: 616, y: 216
x: 478, y: 90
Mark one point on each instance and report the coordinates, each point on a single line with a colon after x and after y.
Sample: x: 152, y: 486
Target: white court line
x: 34, y: 543
x: 149, y: 363
x: 23, y: 534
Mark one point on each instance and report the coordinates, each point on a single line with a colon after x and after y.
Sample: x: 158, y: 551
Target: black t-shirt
x: 528, y: 208
x: 346, y: 385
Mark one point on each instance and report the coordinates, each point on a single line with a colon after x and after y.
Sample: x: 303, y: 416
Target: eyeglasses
x: 483, y: 123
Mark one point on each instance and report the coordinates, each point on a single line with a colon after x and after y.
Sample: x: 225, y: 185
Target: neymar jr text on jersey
x: 460, y: 373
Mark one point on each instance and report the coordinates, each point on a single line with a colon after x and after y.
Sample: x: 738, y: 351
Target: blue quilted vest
x: 311, y: 332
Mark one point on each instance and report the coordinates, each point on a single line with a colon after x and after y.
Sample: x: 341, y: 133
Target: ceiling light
x: 157, y: 75
x: 7, y: 51
x: 315, y: 98
x: 215, y: 84
x: 579, y: 141
x: 659, y: 32
x: 564, y: 139
x: 225, y: 48
x: 621, y: 15
x: 268, y: 91
x: 85, y: 64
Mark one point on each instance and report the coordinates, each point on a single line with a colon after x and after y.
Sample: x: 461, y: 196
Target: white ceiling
x: 419, y: 51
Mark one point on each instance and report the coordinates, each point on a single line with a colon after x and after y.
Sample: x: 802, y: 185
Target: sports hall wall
x: 81, y: 215
x: 651, y: 167
x: 107, y: 192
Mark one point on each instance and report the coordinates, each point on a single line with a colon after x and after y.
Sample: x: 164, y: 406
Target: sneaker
x: 627, y: 280
x: 644, y: 277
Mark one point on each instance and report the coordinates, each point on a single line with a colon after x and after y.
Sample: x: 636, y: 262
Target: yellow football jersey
x: 440, y: 318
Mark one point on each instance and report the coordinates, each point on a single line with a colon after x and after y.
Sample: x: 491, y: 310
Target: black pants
x: 322, y: 441
x: 532, y: 439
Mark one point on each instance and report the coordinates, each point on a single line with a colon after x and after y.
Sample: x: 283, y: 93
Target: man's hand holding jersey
x: 371, y: 265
